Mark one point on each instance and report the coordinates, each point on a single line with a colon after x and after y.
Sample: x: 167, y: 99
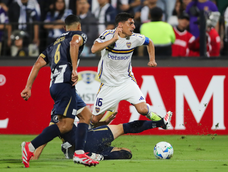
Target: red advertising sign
x: 196, y: 96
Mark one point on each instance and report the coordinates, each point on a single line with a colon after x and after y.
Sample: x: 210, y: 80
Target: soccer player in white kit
x: 115, y: 70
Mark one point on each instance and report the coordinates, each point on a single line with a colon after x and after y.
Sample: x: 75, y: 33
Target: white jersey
x: 115, y: 64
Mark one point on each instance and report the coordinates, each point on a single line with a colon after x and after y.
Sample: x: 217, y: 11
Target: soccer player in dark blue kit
x: 62, y: 56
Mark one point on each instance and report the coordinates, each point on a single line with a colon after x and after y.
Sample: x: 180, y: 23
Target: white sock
x: 31, y: 147
x: 79, y: 152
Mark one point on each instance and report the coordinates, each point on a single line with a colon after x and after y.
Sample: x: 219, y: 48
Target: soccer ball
x: 163, y: 150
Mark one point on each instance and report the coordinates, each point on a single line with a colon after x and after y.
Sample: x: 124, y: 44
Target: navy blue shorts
x: 64, y: 96
x: 98, y: 140
x: 79, y: 104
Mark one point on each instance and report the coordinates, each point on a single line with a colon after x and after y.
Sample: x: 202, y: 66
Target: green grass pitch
x: 191, y: 154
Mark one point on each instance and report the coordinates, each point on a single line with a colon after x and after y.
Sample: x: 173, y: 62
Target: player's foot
x: 84, y: 159
x: 167, y: 119
x: 153, y: 116
x: 97, y: 157
x: 26, y: 154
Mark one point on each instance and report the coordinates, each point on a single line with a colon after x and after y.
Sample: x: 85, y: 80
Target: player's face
x: 128, y: 27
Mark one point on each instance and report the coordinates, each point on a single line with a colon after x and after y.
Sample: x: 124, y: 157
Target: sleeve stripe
x: 146, y: 41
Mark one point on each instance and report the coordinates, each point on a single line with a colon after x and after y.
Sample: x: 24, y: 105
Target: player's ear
x: 79, y: 27
x: 120, y: 24
x: 64, y: 28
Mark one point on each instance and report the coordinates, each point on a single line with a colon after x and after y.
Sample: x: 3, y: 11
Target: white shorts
x: 109, y: 97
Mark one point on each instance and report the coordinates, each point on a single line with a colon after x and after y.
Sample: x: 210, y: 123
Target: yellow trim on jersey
x: 107, y: 32
x: 101, y: 129
x: 51, y: 123
x: 119, y: 51
x: 100, y: 72
x: 65, y: 112
x: 100, y: 88
x: 132, y: 77
x: 42, y: 55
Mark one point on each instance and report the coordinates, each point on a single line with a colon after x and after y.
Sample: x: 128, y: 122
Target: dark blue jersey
x: 57, y: 55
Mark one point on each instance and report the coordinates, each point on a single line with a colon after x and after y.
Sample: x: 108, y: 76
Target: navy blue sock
x: 141, y: 125
x: 122, y: 154
x: 46, y: 136
x: 81, y: 135
x: 70, y: 136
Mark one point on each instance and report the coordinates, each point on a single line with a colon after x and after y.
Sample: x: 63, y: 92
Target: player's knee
x: 143, y: 109
x: 64, y: 128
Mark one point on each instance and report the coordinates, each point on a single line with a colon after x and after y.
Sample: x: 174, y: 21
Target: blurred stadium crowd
x: 28, y: 26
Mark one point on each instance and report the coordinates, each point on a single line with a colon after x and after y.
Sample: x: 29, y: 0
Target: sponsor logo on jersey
x: 128, y: 44
x: 113, y: 57
x: 87, y: 86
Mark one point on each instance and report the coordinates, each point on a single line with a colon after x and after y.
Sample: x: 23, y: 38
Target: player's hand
x: 152, y: 64
x: 26, y: 93
x: 110, y: 118
x: 117, y: 33
x: 74, y: 77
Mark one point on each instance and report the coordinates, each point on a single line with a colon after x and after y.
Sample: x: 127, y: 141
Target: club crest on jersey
x: 128, y: 44
x: 97, y: 109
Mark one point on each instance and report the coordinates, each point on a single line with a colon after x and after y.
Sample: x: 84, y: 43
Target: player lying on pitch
x: 99, y: 139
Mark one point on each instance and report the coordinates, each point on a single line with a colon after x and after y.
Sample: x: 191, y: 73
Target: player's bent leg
x: 80, y: 156
x: 85, y: 115
x: 119, y: 153
x: 144, y: 109
x: 65, y: 124
x: 47, y: 135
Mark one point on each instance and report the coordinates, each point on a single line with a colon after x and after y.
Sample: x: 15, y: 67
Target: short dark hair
x: 156, y: 14
x: 122, y: 17
x: 72, y: 19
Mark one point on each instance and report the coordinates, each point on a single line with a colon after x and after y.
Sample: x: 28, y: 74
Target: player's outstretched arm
x: 75, y: 43
x: 26, y: 93
x: 97, y: 46
x: 151, y: 52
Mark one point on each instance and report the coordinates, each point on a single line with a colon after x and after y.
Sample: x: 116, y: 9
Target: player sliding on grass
x: 115, y: 70
x: 62, y: 56
x: 99, y: 139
